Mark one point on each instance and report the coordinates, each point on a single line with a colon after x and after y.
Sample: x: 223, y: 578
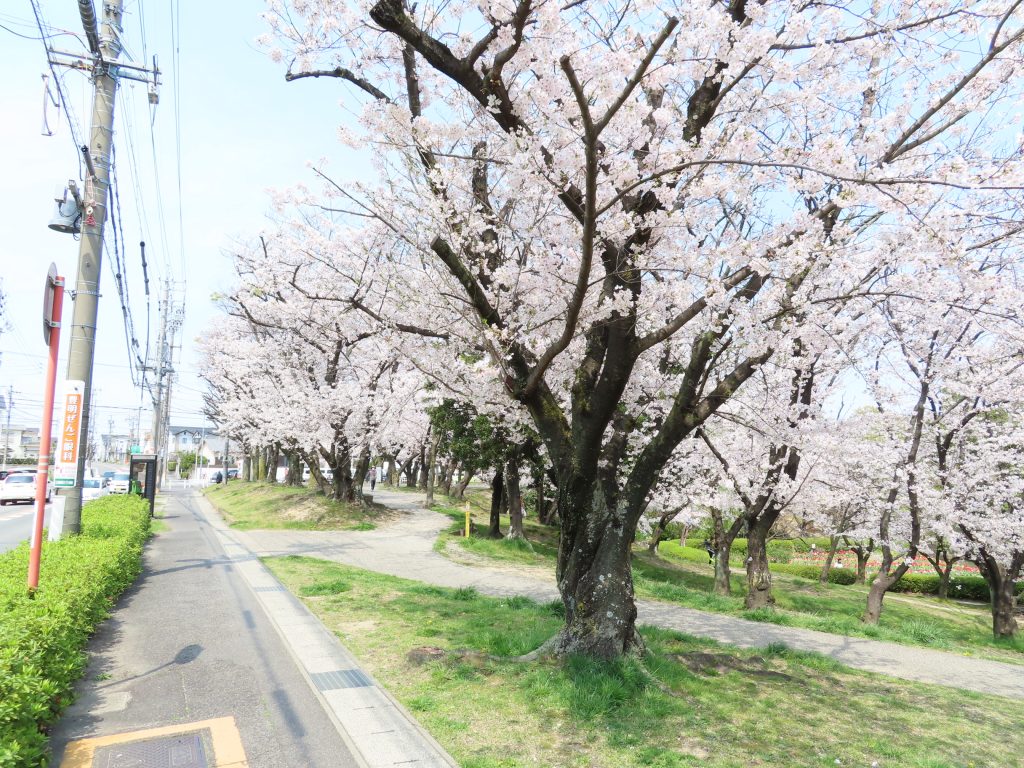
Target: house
x: 203, y: 441
x: 116, y: 447
x: 19, y: 442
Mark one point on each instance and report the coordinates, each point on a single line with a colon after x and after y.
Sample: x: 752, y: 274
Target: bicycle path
x: 405, y: 549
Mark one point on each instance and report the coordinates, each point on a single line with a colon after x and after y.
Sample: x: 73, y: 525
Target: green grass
x: 690, y: 702
x: 682, y: 576
x: 248, y: 506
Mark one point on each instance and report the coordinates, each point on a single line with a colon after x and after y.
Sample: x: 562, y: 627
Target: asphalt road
x: 16, y: 524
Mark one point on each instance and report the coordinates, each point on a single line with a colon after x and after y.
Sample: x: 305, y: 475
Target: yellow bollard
x: 467, y: 519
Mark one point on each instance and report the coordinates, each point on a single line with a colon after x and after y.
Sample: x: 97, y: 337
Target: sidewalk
x: 405, y: 549
x: 207, y: 661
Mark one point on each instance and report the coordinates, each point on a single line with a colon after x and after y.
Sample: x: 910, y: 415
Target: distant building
x: 115, y: 447
x: 19, y: 442
x: 202, y: 441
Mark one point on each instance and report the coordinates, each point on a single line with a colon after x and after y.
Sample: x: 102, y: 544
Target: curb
x: 377, y: 729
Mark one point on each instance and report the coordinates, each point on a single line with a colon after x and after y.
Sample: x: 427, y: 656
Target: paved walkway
x: 405, y: 549
x: 208, y: 661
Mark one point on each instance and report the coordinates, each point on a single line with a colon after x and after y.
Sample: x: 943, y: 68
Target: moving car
x: 21, y: 486
x: 119, y: 482
x: 93, y: 488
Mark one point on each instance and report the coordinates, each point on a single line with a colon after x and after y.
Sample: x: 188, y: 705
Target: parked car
x: 93, y: 488
x: 119, y: 482
x: 232, y: 474
x: 107, y: 475
x: 20, y: 485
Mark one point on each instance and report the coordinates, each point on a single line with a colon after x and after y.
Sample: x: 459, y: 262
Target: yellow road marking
x: 227, y: 743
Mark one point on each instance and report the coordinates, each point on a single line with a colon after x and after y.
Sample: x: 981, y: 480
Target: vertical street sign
x: 69, y: 432
x: 53, y: 305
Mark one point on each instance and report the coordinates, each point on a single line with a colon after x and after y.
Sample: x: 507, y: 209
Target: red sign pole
x: 43, y: 467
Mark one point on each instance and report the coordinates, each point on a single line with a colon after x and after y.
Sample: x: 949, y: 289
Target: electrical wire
x: 59, y: 83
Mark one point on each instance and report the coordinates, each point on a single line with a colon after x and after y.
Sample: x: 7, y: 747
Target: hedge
x: 966, y: 587
x: 813, y: 572
x: 780, y: 550
x: 43, y: 639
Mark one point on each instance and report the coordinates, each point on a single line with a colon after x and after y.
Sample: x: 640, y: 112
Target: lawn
x: 250, y: 506
x: 909, y: 619
x: 690, y: 702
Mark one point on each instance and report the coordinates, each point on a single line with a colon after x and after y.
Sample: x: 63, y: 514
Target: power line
x: 58, y: 83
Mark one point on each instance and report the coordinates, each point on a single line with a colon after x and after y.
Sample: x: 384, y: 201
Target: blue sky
x: 243, y: 131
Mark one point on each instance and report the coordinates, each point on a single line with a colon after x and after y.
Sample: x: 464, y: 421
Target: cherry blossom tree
x: 617, y: 214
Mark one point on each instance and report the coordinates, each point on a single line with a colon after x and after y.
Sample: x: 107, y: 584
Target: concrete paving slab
x: 378, y: 729
x: 189, y: 642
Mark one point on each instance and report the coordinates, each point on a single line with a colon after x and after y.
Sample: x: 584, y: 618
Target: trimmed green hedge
x: 42, y: 640
x: 813, y: 572
x: 966, y: 587
x: 779, y: 550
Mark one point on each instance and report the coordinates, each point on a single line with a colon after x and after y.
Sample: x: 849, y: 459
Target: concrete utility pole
x: 7, y: 432
x: 160, y: 368
x: 87, y: 283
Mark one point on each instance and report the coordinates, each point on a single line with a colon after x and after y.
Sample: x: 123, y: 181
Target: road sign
x: 49, y: 322
x: 69, y: 434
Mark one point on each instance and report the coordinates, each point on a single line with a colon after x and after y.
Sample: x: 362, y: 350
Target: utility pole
x: 102, y: 63
x: 7, y: 432
x: 106, y: 48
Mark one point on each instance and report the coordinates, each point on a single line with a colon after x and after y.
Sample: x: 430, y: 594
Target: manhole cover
x: 168, y: 752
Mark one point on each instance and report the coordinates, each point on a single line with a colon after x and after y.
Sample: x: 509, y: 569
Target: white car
x: 92, y: 488
x: 120, y: 482
x: 21, y: 486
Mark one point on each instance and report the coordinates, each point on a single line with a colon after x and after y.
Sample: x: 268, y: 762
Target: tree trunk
x: 722, y: 540
x: 294, y: 469
x: 497, y: 492
x: 406, y: 470
x: 424, y: 469
x: 362, y: 469
x: 594, y: 574
x: 684, y: 534
x: 944, y: 576
x: 341, y: 486
x: 449, y: 476
x: 515, y: 500
x: 247, y: 468
x: 833, y: 545
x: 873, y: 612
x: 261, y: 470
x: 884, y: 579
x: 273, y: 459
x: 1001, y: 586
x: 1004, y: 608
x: 431, y: 471
x: 414, y: 471
x: 659, y: 531
x: 723, y: 576
x: 862, y: 566
x: 460, y: 491
x: 759, y: 576
x: 313, y: 462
